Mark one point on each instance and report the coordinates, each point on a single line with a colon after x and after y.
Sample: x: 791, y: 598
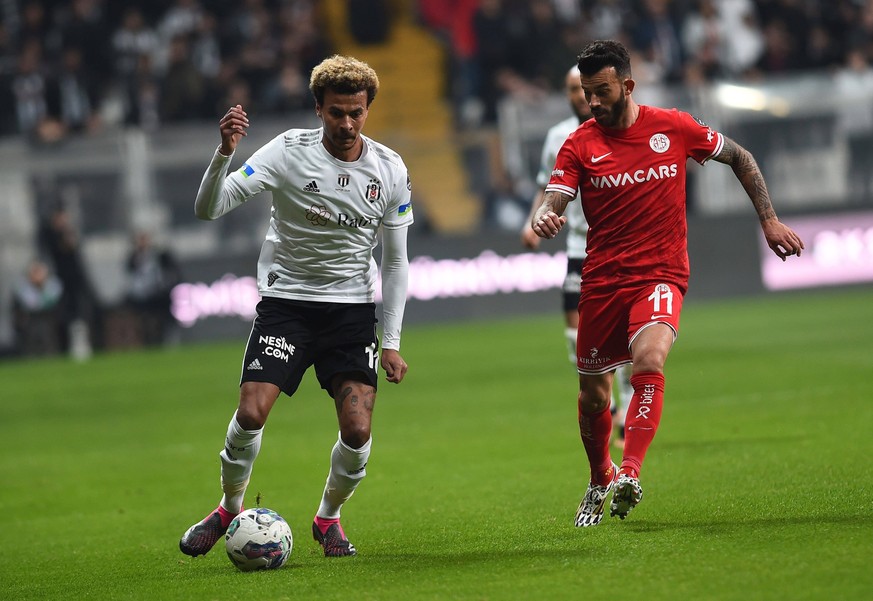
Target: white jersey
x: 325, y: 216
x: 577, y: 227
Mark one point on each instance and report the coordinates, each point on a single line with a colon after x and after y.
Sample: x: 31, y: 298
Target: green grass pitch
x: 758, y: 486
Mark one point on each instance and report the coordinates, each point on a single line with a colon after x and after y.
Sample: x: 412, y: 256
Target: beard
x: 612, y: 116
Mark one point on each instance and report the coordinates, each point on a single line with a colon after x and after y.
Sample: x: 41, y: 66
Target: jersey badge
x: 404, y: 209
x: 660, y: 143
x: 342, y: 180
x: 246, y: 170
x: 408, y: 183
x: 374, y: 190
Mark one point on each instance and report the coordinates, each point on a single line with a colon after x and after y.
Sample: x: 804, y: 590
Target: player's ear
x: 629, y: 85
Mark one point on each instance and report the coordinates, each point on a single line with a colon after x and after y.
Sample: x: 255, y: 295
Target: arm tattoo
x: 747, y: 171
x: 552, y: 201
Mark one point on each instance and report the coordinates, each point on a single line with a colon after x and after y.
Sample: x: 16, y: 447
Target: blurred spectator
x: 745, y: 44
x: 82, y: 24
x: 821, y: 51
x: 206, y: 47
x: 781, y: 53
x: 854, y: 84
x: 181, y: 19
x: 72, y: 94
x: 131, y: 41
x: 36, y: 311
x: 134, y: 46
x: 28, y: 91
x: 183, y: 88
x: 703, y: 38
x: 287, y: 91
x: 506, y: 63
x: 59, y: 240
x: 152, y: 274
x: 34, y: 25
x: 655, y: 36
x: 606, y: 19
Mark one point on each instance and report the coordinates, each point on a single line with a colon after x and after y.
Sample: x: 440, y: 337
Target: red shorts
x: 610, y: 320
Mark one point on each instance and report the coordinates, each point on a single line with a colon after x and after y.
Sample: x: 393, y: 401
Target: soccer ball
x: 258, y: 539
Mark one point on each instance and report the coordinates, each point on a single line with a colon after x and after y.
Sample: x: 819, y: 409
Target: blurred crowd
x: 55, y: 307
x: 521, y: 47
x: 78, y: 65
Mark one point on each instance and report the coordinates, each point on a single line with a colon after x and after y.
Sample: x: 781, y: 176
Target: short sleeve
x: 399, y: 210
x: 701, y: 141
x: 262, y: 170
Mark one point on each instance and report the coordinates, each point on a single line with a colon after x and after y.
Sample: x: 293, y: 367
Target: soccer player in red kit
x: 628, y: 165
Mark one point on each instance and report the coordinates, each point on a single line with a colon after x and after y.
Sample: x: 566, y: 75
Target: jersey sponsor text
x: 627, y: 178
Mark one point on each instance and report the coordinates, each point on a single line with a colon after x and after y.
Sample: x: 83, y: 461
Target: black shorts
x: 288, y: 336
x: 572, y: 285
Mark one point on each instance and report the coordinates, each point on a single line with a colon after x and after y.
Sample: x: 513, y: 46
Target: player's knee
x: 593, y: 399
x: 355, y: 435
x: 251, y: 414
x: 250, y: 417
x: 649, y: 362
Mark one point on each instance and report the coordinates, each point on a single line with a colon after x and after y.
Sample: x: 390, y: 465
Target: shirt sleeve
x: 395, y: 281
x: 219, y: 194
x: 701, y: 141
x: 398, y: 213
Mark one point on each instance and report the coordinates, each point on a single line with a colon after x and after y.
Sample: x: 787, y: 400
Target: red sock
x: 226, y: 516
x: 324, y: 523
x: 595, y: 428
x: 642, y: 419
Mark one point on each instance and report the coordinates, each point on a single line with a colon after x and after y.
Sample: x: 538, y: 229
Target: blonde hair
x: 343, y: 75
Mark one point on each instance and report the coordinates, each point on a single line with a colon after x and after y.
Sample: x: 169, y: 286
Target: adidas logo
x: 311, y: 187
x: 256, y: 365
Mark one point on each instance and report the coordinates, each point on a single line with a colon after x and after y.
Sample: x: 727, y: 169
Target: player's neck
x: 346, y: 155
x: 630, y: 115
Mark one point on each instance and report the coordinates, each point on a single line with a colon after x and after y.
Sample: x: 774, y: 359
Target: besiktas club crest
x: 374, y: 190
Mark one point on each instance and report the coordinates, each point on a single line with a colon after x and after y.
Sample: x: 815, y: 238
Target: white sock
x: 348, y: 467
x: 240, y: 450
x: 570, y: 335
x: 623, y: 386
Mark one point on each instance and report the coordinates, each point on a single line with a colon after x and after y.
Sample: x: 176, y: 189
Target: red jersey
x: 632, y: 184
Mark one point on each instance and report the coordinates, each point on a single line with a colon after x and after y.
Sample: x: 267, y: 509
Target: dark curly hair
x: 343, y: 75
x: 604, y: 53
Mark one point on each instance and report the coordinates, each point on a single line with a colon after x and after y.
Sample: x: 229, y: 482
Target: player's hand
x: 548, y: 224
x: 232, y: 127
x: 529, y: 239
x: 394, y: 365
x: 781, y: 239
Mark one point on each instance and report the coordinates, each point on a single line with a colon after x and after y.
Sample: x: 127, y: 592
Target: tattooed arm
x: 549, y: 218
x: 780, y: 238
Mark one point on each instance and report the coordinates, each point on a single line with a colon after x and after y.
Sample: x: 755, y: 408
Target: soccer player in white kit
x: 333, y: 191
x: 577, y: 235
